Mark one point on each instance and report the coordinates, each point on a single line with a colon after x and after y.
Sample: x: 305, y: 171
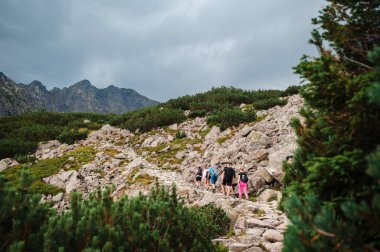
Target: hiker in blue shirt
x: 213, y: 171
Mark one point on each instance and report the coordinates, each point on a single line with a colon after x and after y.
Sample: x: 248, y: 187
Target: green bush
x: 332, y: 191
x: 158, y: 222
x: 71, y: 136
x: 36, y: 132
x: 230, y: 117
x: 218, y: 218
x: 197, y: 113
x: 22, y: 159
x: 291, y: 90
x: 20, y: 134
x: 268, y: 103
x: 11, y: 147
x: 180, y: 135
x: 149, y: 118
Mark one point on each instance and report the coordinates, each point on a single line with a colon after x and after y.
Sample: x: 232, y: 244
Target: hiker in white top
x: 206, y: 177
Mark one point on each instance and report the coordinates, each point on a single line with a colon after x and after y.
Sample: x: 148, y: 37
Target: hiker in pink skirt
x: 243, y: 183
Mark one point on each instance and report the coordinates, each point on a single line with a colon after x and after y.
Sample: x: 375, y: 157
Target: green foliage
x: 158, y: 222
x: 47, y: 167
x: 71, y: 136
x: 291, y: 90
x: 217, y: 217
x: 20, y: 134
x: 268, y: 103
x: 230, y: 117
x: 149, y: 118
x: 11, y: 147
x: 332, y: 186
x: 180, y: 135
x: 25, y: 158
x: 197, y: 113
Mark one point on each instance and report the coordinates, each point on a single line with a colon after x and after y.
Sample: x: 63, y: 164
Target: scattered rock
x: 6, y: 163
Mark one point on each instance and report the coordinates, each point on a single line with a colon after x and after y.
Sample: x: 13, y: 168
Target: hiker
x: 213, y: 171
x: 243, y: 183
x: 198, y: 176
x: 228, y: 175
x: 206, y: 177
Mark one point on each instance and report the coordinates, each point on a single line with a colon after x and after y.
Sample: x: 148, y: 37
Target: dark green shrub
x: 24, y: 158
x: 332, y: 186
x: 37, y: 132
x: 197, y: 113
x: 180, y: 135
x: 230, y: 117
x: 208, y: 106
x: 268, y: 103
x: 158, y: 222
x: 291, y: 90
x: 11, y: 147
x: 218, y: 218
x: 149, y: 118
x: 71, y: 136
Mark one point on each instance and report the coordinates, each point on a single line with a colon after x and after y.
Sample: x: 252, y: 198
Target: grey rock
x: 6, y: 163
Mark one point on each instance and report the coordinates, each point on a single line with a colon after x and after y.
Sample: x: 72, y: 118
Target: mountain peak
x: 83, y: 83
x: 80, y: 97
x: 37, y: 83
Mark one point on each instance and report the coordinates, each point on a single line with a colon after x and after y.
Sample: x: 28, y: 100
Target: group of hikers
x: 209, y: 175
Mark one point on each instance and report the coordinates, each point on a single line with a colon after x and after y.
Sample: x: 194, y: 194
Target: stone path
x: 122, y: 156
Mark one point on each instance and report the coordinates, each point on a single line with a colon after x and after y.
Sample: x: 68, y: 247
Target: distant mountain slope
x: 80, y: 97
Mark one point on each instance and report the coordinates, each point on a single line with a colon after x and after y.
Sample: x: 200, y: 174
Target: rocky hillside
x: 80, y: 97
x: 132, y: 162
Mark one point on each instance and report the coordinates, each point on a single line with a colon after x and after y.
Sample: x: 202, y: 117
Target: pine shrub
x: 71, y: 136
x: 158, y: 222
x: 268, y: 103
x: 230, y: 117
x: 332, y: 186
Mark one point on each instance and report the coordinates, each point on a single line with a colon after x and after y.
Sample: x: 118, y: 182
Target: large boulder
x: 276, y: 158
x: 213, y: 134
x: 257, y: 141
x: 6, y: 163
x: 259, y: 155
x: 269, y: 195
x: 69, y: 180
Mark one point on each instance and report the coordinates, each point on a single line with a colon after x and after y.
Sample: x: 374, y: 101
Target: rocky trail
x: 132, y: 162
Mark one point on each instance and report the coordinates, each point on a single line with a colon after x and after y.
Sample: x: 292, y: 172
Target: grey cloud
x: 162, y: 49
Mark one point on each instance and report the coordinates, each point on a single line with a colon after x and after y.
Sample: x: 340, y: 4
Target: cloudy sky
x: 162, y: 49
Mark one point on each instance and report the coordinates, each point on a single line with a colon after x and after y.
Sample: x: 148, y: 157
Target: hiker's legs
x: 246, y: 192
x: 240, y: 189
x: 243, y: 187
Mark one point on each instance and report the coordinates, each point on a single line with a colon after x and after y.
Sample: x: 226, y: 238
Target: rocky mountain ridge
x: 132, y: 162
x: 81, y: 97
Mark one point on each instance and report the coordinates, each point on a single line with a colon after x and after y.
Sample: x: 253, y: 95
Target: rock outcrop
x: 132, y: 162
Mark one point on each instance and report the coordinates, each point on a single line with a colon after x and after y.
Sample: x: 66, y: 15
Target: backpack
x: 244, y: 177
x: 213, y: 172
x: 199, y: 173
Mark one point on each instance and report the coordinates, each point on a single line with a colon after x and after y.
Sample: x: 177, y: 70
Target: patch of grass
x: 272, y: 198
x: 204, y: 133
x: 47, y: 167
x: 143, y: 179
x: 221, y: 140
x: 259, y: 212
x: 251, y: 198
x: 38, y: 186
x: 100, y: 172
x: 111, y: 152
